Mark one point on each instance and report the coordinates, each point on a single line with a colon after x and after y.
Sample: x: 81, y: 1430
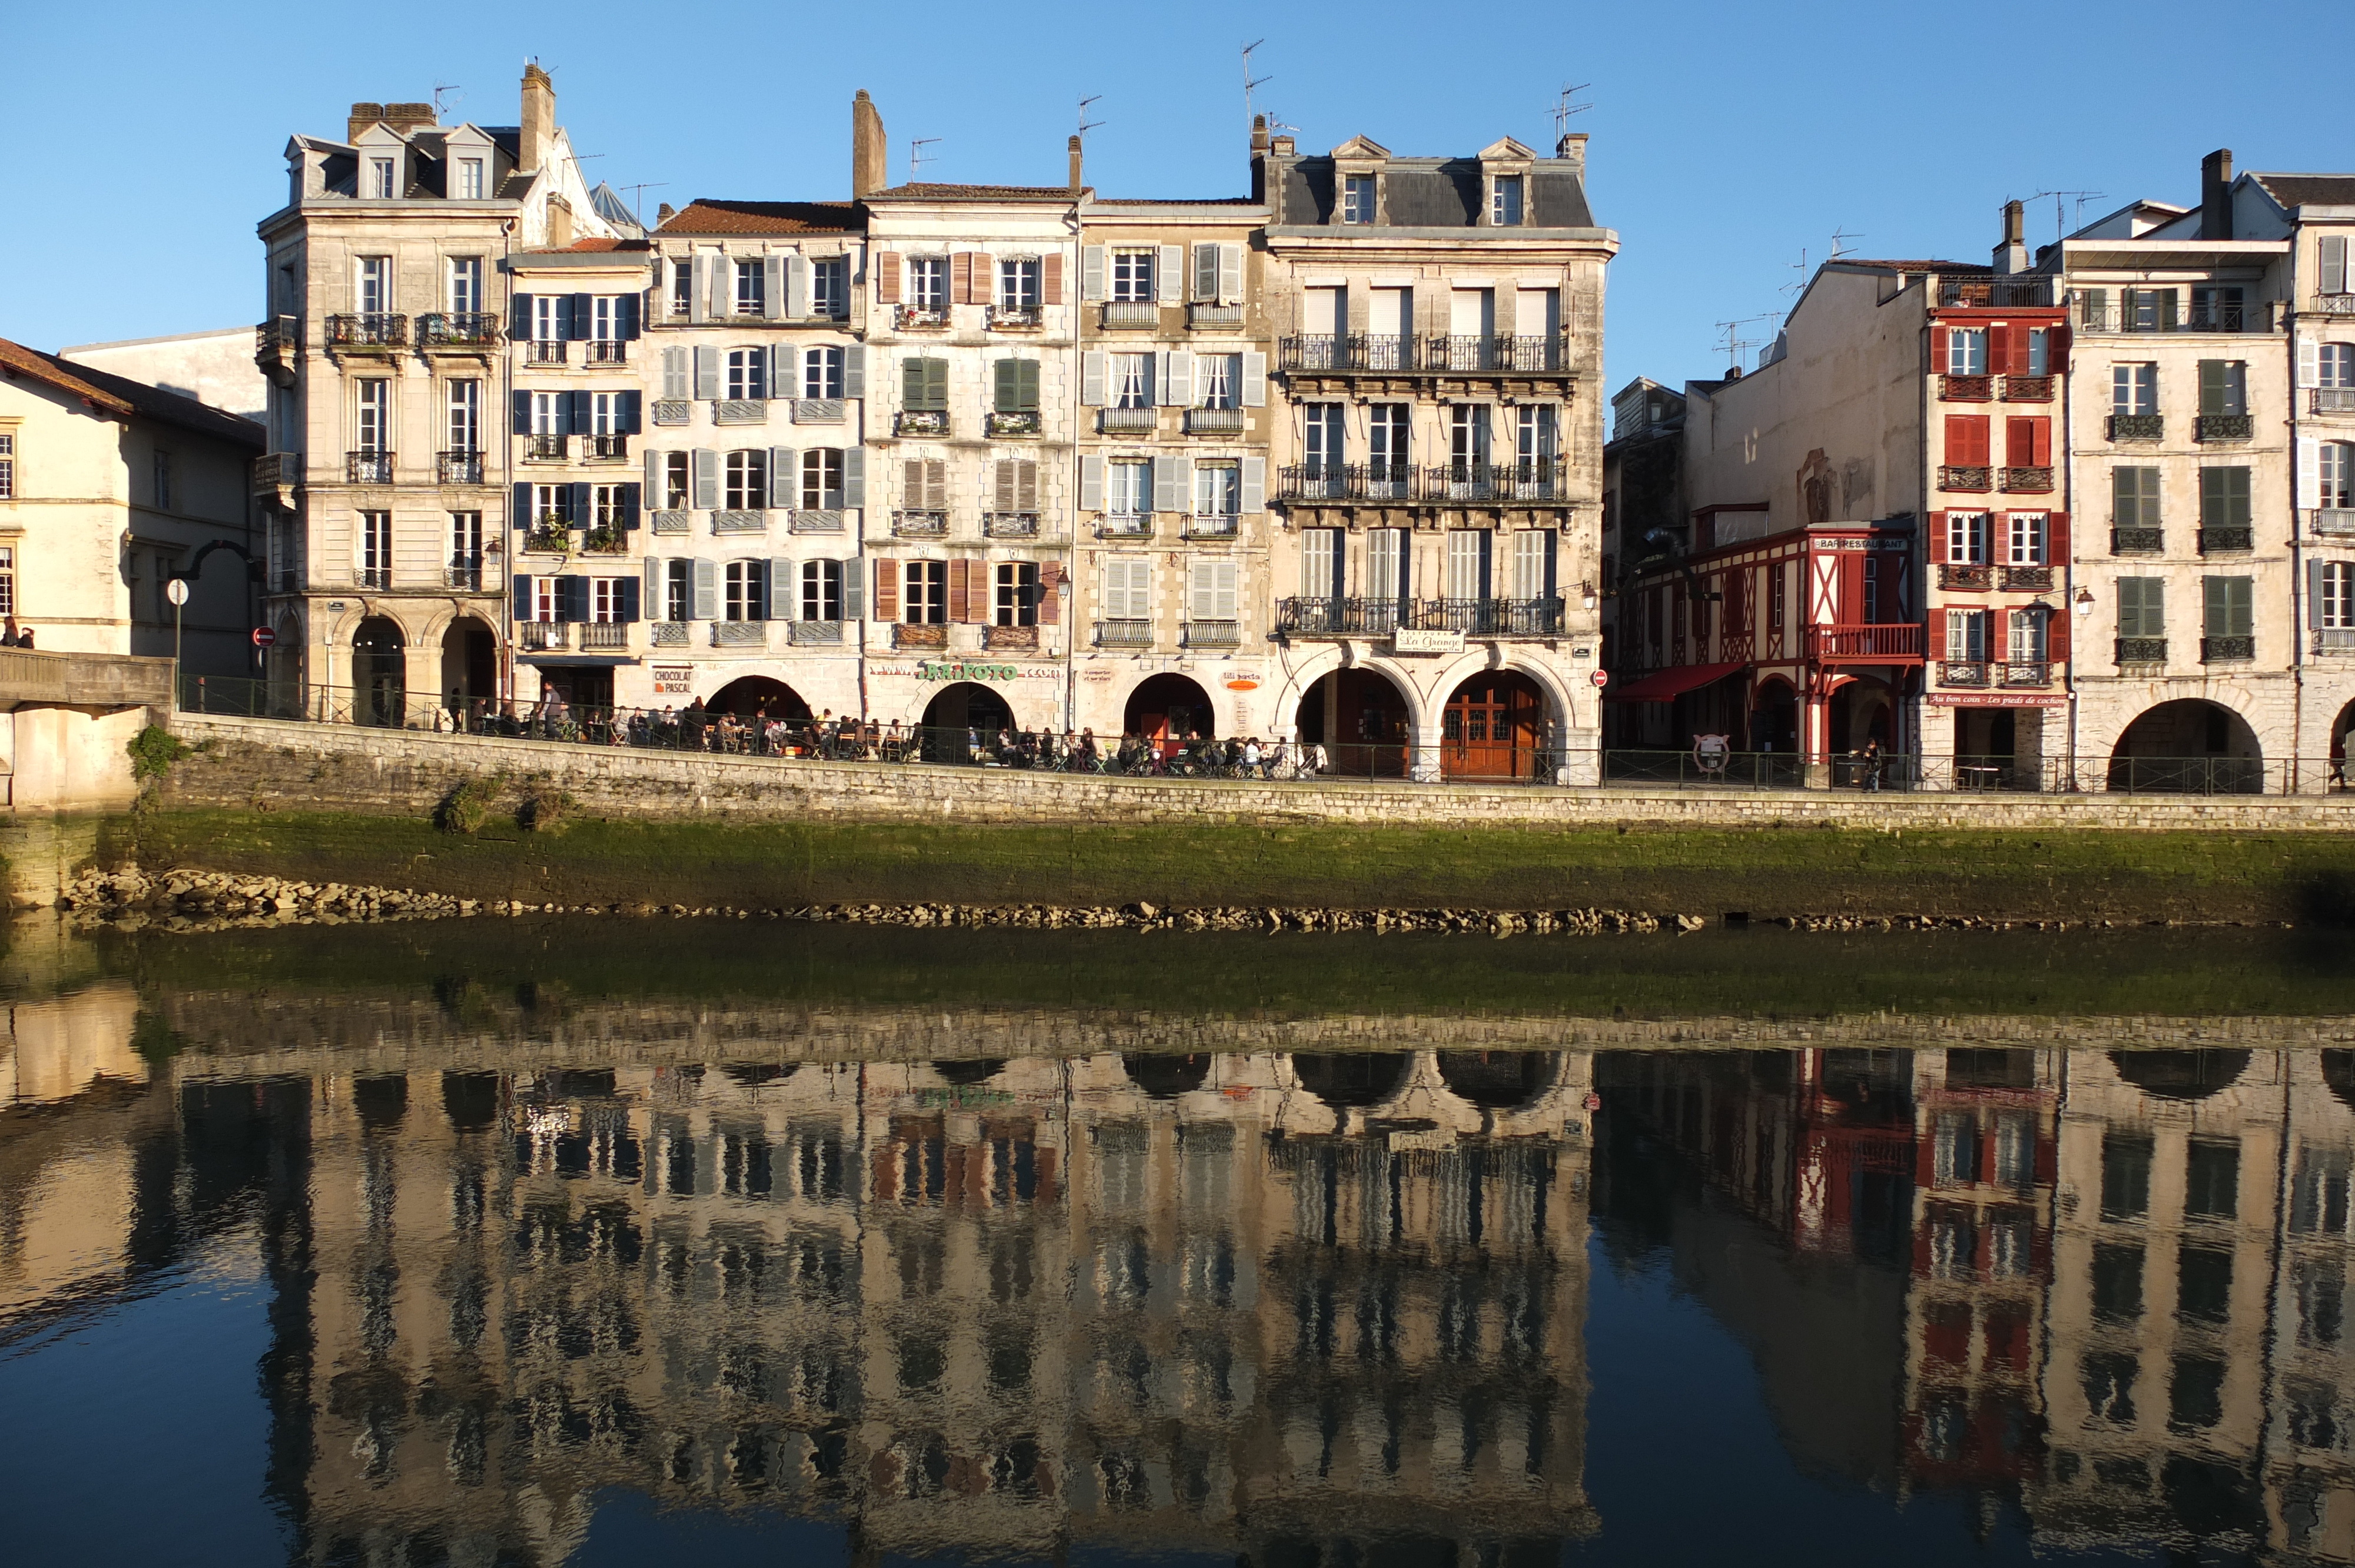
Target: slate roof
x: 121, y: 397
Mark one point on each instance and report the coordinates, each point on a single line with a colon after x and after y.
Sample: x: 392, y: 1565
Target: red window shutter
x: 961, y: 277
x: 2056, y: 636
x: 2056, y: 540
x: 2000, y: 338
x: 886, y: 267
x: 1937, y: 351
x: 958, y: 571
x: 1050, y: 592
x: 2056, y: 348
x: 887, y: 590
x: 1936, y: 542
x: 2040, y: 435
x: 1966, y: 440
x: 1050, y: 279
x: 2018, y: 443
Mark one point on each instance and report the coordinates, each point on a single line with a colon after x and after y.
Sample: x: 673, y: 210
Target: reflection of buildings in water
x: 1236, y: 1303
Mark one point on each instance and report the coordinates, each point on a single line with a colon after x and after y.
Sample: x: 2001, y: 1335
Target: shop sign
x: 674, y: 680
x: 1997, y: 700
x: 1242, y: 685
x: 1406, y: 639
x: 958, y: 669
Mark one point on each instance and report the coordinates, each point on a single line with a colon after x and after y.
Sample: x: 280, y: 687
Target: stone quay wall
x: 290, y: 766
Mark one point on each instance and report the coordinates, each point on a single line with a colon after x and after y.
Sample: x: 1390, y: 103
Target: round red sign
x: 1601, y: 677
x: 264, y: 637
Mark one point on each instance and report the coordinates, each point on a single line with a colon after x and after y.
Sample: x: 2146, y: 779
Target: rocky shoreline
x: 188, y: 900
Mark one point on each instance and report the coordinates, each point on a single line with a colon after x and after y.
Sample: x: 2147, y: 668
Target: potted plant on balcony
x: 551, y: 535
x: 604, y: 539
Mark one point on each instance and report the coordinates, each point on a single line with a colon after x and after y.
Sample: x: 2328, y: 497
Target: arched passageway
x: 750, y: 696
x: 379, y: 682
x: 1498, y: 1080
x: 1493, y: 728
x: 2190, y: 747
x: 1774, y: 718
x: 962, y: 723
x: 470, y: 666
x: 2179, y: 1074
x: 1168, y: 707
x: 965, y: 1073
x: 1165, y: 1077
x: 1353, y: 1081
x: 1361, y: 721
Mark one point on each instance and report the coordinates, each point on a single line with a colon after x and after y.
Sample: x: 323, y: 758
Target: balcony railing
x: 2000, y: 293
x: 919, y: 524
x: 2035, y: 481
x: 458, y: 468
x: 673, y: 520
x: 1962, y: 672
x: 2334, y: 400
x: 607, y: 635
x: 551, y: 535
x: 546, y: 449
x: 1503, y: 353
x: 2016, y: 674
x: 1124, y: 525
x: 1379, y: 353
x: 1214, y: 634
x: 1865, y: 644
x: 815, y: 519
x: 1343, y: 617
x: 2027, y: 388
x: 1965, y: 477
x: 368, y: 468
x: 1132, y: 313
x: 1538, y: 479
x: 608, y: 351
x: 2228, y: 539
x: 1213, y: 525
x: 2026, y: 579
x: 605, y: 448
x: 922, y: 422
x: 464, y: 572
x: 1203, y: 313
x: 1966, y: 388
x: 666, y: 633
x: 920, y: 318
x: 2331, y: 522
x: 1009, y: 525
x: 367, y: 332
x: 740, y: 634
x: 1014, y: 422
x: 468, y: 330
x: 740, y: 520
x: 2139, y: 540
x: 277, y: 340
x: 1214, y: 421
x: 818, y: 411
x: 1311, y: 617
x: 813, y: 634
x: 539, y: 636
x: 1015, y: 318
x: 2141, y: 651
x: 1124, y: 634
x: 1009, y: 639
x: 671, y: 410
x: 1129, y: 422
x: 545, y: 351
x: 1965, y: 578
x: 274, y: 471
x: 2207, y: 315
x: 2223, y: 427
x: 2334, y: 639
x: 2138, y: 427
x: 740, y: 411
x: 2335, y: 304
x: 2227, y: 649
x: 908, y: 634
x: 609, y: 539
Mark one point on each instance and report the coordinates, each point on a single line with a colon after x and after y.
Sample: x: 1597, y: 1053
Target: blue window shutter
x: 854, y: 589
x: 707, y: 372
x: 652, y: 598
x: 854, y: 371
x: 522, y: 599
x: 577, y: 414
x: 706, y: 591
x: 572, y: 598
x: 854, y: 477
x: 625, y: 317
x: 707, y: 480
x: 630, y: 494
x: 785, y: 474
x: 522, y: 404
x: 585, y: 316
x: 781, y: 590
x: 520, y: 317
x: 580, y: 504
x: 630, y: 412
x: 522, y: 516
x: 628, y: 589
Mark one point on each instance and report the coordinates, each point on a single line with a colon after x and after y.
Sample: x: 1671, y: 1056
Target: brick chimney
x: 2216, y: 195
x: 538, y: 120
x: 1571, y: 150
x: 1074, y: 150
x: 406, y: 117
x: 1259, y: 158
x: 363, y: 115
x: 868, y: 149
x: 2011, y: 256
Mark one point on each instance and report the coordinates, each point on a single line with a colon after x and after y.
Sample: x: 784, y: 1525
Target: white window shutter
x: 674, y: 383
x: 704, y: 599
x: 1092, y: 480
x: 654, y: 609
x: 2309, y: 362
x: 1230, y: 274
x: 854, y: 589
x: 705, y: 468
x: 1169, y: 276
x: 1206, y: 271
x: 1179, y: 378
x: 1091, y: 379
x: 1253, y: 391
x: 772, y: 286
x: 782, y: 370
x: 654, y: 479
x: 782, y: 582
x: 1161, y: 377
x: 707, y: 372
x: 796, y: 286
x: 854, y: 477
x: 854, y: 371
x: 2309, y: 473
x: 1172, y: 476
x: 2331, y: 252
x: 1254, y: 485
x: 1092, y: 272
x: 698, y: 287
x: 1222, y: 581
x: 785, y: 476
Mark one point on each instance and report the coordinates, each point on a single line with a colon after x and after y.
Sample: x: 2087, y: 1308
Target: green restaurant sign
x: 957, y: 670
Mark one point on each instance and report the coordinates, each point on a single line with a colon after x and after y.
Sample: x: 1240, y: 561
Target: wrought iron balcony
x: 605, y: 539
x: 464, y: 572
x: 1132, y: 313
x: 2138, y: 540
x: 551, y: 535
x: 740, y: 520
x: 468, y: 331
x: 1009, y: 639
x: 671, y: 410
x: 2000, y: 294
x: 1009, y: 525
x: 1124, y: 525
x: 2230, y: 539
x: 1962, y: 672
x: 1494, y: 354
x: 1965, y: 477
x: 2033, y: 480
x: 458, y: 468
x: 1124, y: 634
x: 1129, y: 422
x: 605, y: 448
x: 1213, y: 525
x: 545, y: 351
x: 368, y: 468
x: 1874, y: 644
x: 907, y: 634
x: 673, y: 520
x: 367, y: 333
x: 1317, y: 617
x: 2027, y: 388
x: 922, y: 422
x: 608, y: 351
x: 2227, y: 649
x: 1538, y: 479
x: 920, y: 318
x: 1966, y: 388
x: 815, y: 519
x: 2334, y: 304
x: 2016, y: 674
x: 2138, y: 427
x: 2206, y: 315
x: 277, y: 344
x: 2026, y: 579
x: 1016, y: 422
x: 1965, y: 578
x: 545, y: 447
x: 539, y: 636
x: 1379, y: 353
x: 377, y: 578
x: 1015, y: 318
x: 1214, y: 634
x: 919, y: 524
x: 2334, y: 400
x: 1214, y: 421
x: 2223, y: 427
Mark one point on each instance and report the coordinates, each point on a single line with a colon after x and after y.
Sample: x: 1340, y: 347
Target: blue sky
x: 1727, y: 139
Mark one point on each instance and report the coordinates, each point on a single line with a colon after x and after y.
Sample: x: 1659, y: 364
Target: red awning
x: 1661, y: 685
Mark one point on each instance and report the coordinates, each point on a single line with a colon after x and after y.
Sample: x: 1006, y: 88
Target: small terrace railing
x: 458, y: 468
x: 374, y: 330
x: 1385, y: 353
x: 1346, y: 617
x: 368, y: 468
x: 466, y: 330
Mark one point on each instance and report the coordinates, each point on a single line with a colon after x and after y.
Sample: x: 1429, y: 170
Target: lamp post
x: 176, y: 590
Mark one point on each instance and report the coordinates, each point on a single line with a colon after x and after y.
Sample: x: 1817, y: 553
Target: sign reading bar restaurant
x: 1406, y: 639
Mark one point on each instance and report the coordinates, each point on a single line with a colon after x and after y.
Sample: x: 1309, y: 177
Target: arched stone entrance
x: 961, y: 714
x: 1493, y: 728
x: 2339, y: 729
x: 1168, y: 707
x: 1498, y: 1080
x: 1165, y: 1077
x: 2179, y: 1074
x: 758, y: 696
x: 1361, y: 720
x: 470, y: 667
x: 1353, y: 1081
x: 283, y: 669
x: 380, y: 683
x: 2189, y: 747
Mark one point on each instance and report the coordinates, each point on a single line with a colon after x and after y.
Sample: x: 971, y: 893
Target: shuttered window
x: 1017, y: 386
x: 1210, y: 591
x: 2028, y: 442
x: 1132, y: 277
x: 2025, y: 547
x: 2224, y: 498
x: 821, y: 374
x: 2142, y: 607
x: 1967, y: 440
x: 925, y: 484
x: 1128, y: 587
x: 2335, y: 598
x: 2228, y: 607
x: 1015, y: 485
x: 1016, y: 600
x: 1321, y: 557
x: 924, y: 600
x: 745, y: 485
x: 924, y: 386
x: 2134, y: 388
x: 2223, y: 386
x: 1966, y: 538
x: 2134, y: 497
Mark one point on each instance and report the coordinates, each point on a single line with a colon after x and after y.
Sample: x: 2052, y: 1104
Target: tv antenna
x: 1799, y: 281
x: 1840, y: 237
x: 637, y: 197
x: 1736, y: 346
x: 1249, y: 82
x: 918, y: 157
x: 441, y: 86
x: 1566, y: 107
x: 2060, y: 228
x: 1087, y: 124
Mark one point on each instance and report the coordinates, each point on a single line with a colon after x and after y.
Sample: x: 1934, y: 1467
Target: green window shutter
x: 2211, y: 386
x: 2240, y: 606
x: 2094, y: 308
x: 2166, y: 302
x: 1028, y: 389
x: 912, y: 384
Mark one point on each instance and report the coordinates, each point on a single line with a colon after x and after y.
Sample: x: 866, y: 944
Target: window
x: 2331, y: 253
x: 672, y: 490
x: 924, y: 386
x: 1777, y: 601
x: 2224, y: 498
x: 822, y: 373
x: 2125, y: 1186
x: 376, y: 549
x: 1955, y: 1149
x: 2109, y: 1380
x: 463, y: 428
x: 1016, y: 387
x: 608, y: 412
x: 609, y: 507
x: 1468, y: 439
x: 2025, y: 544
x: 1535, y: 440
x: 2335, y: 598
x: 678, y: 601
x: 609, y: 601
x: 2142, y: 607
x: 465, y: 284
x: 2220, y: 306
x: 822, y: 589
x: 545, y: 606
x: 7, y: 579
x: 1014, y: 485
x: 2030, y: 634
x: 745, y: 485
x: 1386, y: 441
x: 1210, y: 590
x: 1128, y: 488
x: 682, y: 287
x: 2027, y: 441
x: 747, y: 373
x: 928, y: 282
x: 1132, y: 277
x: 1387, y: 563
x: 374, y: 432
x: 2134, y: 497
x: 382, y: 172
x: 1132, y: 380
x: 547, y: 410
x: 1966, y: 351
x: 752, y: 294
x: 925, y: 598
x: 1467, y: 563
x: 1966, y: 538
x: 744, y: 585
x: 1017, y: 594
x: 2195, y: 1398
x: 2223, y: 386
x: 1218, y: 490
x: 2228, y: 608
x: 2040, y: 351
x: 822, y: 478
x: 160, y: 464
x: 1215, y: 378
x: 607, y: 318
x: 470, y: 179
x: 551, y: 506
x: 1128, y: 587
x: 551, y: 318
x: 1324, y: 444
x: 830, y: 287
x: 2148, y: 310
x: 1533, y: 564
x: 1322, y: 553
x: 7, y: 465
x: 2212, y: 1189
x: 375, y: 285
x: 466, y: 539
x: 1967, y: 636
x: 2335, y: 365
x: 1018, y: 284
x: 2133, y: 390
x: 2015, y: 1148
x: 2335, y: 474
x: 1358, y: 198
x: 1505, y: 201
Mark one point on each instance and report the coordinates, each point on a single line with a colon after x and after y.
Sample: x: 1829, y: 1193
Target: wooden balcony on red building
x: 1887, y: 644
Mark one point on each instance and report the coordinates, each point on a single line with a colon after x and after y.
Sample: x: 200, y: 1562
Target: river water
x: 585, y: 1242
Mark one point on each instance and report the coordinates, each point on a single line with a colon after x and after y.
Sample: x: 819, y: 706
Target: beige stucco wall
x: 213, y: 367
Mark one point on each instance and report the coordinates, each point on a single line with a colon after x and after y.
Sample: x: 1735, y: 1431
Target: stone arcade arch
x: 1362, y: 719
x: 1354, y: 1081
x: 1494, y: 727
x: 2189, y: 746
x: 2179, y: 1074
x: 470, y: 665
x: 1498, y: 1080
x: 749, y: 695
x: 379, y: 673
x: 1168, y: 707
x: 1165, y: 1077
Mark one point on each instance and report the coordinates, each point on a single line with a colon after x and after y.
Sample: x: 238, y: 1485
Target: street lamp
x: 176, y: 590
x: 1586, y: 595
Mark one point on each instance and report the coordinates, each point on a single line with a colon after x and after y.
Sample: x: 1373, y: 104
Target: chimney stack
x: 1259, y: 158
x: 868, y: 149
x: 2216, y: 195
x: 1571, y: 150
x: 406, y: 117
x: 1075, y: 165
x: 363, y: 116
x: 2011, y: 256
x: 664, y: 213
x: 538, y: 121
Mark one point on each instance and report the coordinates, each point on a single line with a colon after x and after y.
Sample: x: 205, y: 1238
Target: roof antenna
x: 1087, y: 124
x: 1737, y: 347
x: 441, y: 86
x: 638, y: 199
x: 1565, y: 105
x: 2059, y: 227
x: 1840, y: 237
x: 918, y: 157
x: 1249, y: 82
x: 1800, y: 267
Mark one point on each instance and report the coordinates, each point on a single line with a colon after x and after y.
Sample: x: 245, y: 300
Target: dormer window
x: 1505, y: 202
x: 1358, y: 198
x: 381, y: 178
x: 470, y: 179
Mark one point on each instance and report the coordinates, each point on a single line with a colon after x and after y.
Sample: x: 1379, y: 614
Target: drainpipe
x: 1069, y: 618
x: 2298, y: 609
x: 2070, y: 618
x: 508, y: 537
